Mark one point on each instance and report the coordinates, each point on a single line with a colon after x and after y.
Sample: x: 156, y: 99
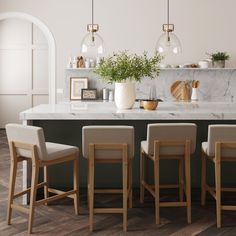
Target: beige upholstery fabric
x: 35, y: 136
x: 169, y: 132
x: 221, y: 133
x: 56, y: 150
x: 110, y: 135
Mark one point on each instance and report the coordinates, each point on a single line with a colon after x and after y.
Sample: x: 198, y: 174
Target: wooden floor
x: 59, y: 219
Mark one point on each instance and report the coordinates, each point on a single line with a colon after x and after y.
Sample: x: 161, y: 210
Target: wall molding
x: 51, y: 47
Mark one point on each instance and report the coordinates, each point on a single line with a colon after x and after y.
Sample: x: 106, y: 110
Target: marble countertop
x: 100, y: 110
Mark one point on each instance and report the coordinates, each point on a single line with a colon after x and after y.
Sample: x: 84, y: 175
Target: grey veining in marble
x: 215, y: 84
x: 99, y: 110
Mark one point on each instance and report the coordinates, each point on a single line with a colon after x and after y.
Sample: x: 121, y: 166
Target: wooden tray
x: 180, y: 90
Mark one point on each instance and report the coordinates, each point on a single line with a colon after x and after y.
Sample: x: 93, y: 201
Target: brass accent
x: 92, y: 27
x: 168, y: 27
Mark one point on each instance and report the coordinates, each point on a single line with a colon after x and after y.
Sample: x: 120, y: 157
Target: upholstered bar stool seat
x: 220, y: 147
x: 169, y: 141
x: 27, y: 143
x: 109, y: 144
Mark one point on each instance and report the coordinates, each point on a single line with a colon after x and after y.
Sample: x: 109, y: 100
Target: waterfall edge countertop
x: 100, y: 110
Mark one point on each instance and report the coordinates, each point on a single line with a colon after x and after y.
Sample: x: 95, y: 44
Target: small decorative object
x: 69, y: 65
x: 195, y: 85
x: 89, y: 94
x: 218, y: 59
x: 105, y: 93
x: 204, y: 64
x: 124, y: 70
x: 111, y: 96
x: 180, y: 90
x: 92, y: 63
x: 87, y: 63
x: 76, y: 84
x: 75, y: 62
x: 150, y: 104
x: 81, y: 63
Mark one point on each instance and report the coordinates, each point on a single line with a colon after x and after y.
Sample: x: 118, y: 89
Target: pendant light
x: 168, y: 41
x: 92, y: 45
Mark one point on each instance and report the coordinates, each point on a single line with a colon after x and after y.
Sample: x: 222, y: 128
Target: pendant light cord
x: 168, y: 19
x: 92, y: 21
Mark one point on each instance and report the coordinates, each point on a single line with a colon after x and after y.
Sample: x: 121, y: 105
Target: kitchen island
x: 63, y: 123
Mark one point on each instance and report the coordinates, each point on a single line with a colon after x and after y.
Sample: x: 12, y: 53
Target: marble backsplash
x: 215, y: 84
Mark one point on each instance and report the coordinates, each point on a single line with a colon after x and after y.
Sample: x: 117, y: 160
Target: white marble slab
x: 215, y: 84
x: 99, y: 110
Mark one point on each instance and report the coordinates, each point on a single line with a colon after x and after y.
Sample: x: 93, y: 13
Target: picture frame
x: 76, y: 86
x: 89, y: 94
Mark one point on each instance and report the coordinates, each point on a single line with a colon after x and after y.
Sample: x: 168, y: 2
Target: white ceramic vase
x: 125, y: 95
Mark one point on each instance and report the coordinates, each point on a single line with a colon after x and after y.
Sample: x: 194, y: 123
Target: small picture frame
x: 89, y: 94
x: 76, y: 86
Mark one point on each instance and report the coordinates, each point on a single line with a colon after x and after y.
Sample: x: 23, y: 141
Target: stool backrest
x: 171, y: 132
x: 221, y: 133
x: 28, y: 135
x: 108, y: 135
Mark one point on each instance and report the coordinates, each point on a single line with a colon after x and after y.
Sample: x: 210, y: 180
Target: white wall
x: 202, y: 25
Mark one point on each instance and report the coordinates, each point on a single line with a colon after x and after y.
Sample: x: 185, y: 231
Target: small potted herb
x: 218, y: 59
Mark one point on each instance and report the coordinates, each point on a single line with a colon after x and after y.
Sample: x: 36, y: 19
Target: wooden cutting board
x: 180, y: 90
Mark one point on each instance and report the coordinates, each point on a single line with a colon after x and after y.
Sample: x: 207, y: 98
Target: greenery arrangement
x: 219, y: 56
x: 123, y: 66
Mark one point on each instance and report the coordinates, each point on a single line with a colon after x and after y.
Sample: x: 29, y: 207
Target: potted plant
x: 218, y: 59
x: 124, y: 70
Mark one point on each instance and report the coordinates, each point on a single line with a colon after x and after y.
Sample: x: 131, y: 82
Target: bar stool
x: 109, y: 144
x: 220, y: 147
x: 169, y: 141
x: 28, y: 143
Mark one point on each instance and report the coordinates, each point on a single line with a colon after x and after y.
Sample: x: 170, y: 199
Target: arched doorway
x: 51, y: 47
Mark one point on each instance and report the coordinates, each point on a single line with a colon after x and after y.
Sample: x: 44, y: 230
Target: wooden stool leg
x: 125, y: 185
x: 33, y: 192
x: 181, y: 180
x: 12, y: 183
x: 188, y: 181
x: 45, y: 170
x: 130, y: 184
x: 141, y: 176
x: 91, y: 186
x: 88, y: 181
x: 76, y: 185
x: 157, y: 190
x: 203, y: 180
x: 218, y: 184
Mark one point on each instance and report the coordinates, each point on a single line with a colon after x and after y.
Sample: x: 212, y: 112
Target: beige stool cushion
x: 220, y: 133
x: 170, y: 132
x: 56, y: 150
x: 35, y: 136
x: 108, y: 134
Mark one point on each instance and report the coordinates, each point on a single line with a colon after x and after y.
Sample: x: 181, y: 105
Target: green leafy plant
x: 219, y: 56
x: 122, y: 66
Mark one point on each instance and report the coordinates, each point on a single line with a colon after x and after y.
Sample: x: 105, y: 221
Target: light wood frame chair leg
x: 125, y: 186
x: 142, y: 189
x: 188, y: 180
x: 203, y: 180
x: 91, y: 186
x: 12, y: 184
x: 181, y: 179
x: 45, y: 176
x: 218, y: 183
x: 33, y: 193
x: 130, y: 183
x: 157, y: 180
x: 76, y: 183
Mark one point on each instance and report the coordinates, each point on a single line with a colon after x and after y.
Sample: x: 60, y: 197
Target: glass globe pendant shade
x: 168, y: 42
x: 92, y: 45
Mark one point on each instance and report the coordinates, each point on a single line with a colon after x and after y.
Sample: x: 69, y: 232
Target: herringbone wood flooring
x: 59, y: 219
